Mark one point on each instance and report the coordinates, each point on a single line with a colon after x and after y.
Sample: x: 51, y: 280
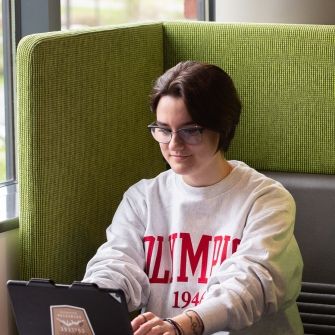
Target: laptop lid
x: 42, y: 307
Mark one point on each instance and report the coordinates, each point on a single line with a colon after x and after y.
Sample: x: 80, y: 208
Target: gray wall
x: 276, y: 11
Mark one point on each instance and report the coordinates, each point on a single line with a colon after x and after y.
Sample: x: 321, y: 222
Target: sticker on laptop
x: 67, y: 319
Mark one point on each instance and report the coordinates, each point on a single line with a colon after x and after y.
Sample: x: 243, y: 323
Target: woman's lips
x: 180, y: 158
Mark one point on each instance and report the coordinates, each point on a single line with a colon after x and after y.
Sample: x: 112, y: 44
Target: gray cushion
x: 315, y: 222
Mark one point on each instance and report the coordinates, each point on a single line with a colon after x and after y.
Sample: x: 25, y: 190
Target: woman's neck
x: 218, y: 169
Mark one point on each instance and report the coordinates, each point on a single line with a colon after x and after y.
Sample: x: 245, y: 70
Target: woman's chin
x: 178, y: 168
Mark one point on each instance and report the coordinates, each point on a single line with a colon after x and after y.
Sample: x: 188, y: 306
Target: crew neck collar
x: 212, y: 190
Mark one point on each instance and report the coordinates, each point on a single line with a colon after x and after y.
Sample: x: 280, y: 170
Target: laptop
x: 42, y: 307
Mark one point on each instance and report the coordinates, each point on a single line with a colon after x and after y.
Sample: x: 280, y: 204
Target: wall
x: 276, y: 11
x: 8, y: 259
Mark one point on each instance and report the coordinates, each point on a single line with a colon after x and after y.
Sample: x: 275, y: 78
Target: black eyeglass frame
x: 154, y: 125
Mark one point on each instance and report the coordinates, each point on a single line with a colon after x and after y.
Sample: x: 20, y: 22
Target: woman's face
x: 197, y: 163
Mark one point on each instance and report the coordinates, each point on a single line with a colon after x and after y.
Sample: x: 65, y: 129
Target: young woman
x: 206, y: 247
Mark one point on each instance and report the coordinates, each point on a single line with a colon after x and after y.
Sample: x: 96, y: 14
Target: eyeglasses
x: 189, y: 135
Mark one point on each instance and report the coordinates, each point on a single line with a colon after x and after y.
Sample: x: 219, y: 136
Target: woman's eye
x: 190, y: 131
x: 163, y: 131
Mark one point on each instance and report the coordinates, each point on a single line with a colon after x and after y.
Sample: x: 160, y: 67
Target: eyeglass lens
x: 191, y: 135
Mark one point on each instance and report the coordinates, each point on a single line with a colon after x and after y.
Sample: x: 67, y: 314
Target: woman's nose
x: 176, y: 141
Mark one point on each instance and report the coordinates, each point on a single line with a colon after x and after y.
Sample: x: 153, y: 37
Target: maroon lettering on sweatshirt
x: 190, y: 260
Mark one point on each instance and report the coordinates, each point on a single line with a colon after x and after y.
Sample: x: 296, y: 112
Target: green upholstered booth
x: 83, y: 110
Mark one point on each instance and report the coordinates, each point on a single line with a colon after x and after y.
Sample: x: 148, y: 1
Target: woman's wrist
x: 196, y: 323
x: 189, y: 323
x: 178, y: 330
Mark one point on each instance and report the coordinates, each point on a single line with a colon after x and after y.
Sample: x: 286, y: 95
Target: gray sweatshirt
x: 226, y: 251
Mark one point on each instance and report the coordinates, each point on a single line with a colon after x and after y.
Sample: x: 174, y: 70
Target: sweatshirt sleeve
x: 263, y: 275
x: 119, y: 262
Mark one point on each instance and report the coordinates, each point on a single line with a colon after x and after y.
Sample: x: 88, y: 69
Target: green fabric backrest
x: 83, y: 111
x: 285, y: 75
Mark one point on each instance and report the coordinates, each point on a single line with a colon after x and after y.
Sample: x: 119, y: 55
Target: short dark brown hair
x: 209, y: 95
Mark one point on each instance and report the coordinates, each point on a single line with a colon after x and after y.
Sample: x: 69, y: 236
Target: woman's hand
x: 149, y: 323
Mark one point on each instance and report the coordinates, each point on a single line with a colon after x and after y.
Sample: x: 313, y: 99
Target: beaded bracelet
x: 176, y: 326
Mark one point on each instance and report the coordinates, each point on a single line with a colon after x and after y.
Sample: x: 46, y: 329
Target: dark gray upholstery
x: 315, y: 233
x: 315, y: 222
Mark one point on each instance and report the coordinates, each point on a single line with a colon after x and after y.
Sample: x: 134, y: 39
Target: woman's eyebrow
x: 162, y: 124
